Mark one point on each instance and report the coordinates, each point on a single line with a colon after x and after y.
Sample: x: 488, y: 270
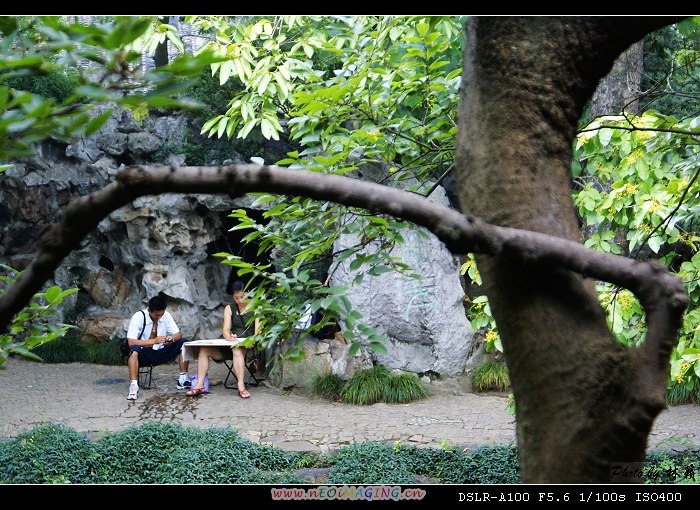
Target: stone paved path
x: 92, y: 399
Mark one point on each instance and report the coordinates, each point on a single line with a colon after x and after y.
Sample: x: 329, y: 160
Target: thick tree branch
x: 661, y: 294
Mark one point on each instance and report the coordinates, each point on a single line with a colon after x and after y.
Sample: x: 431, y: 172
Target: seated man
x: 154, y: 338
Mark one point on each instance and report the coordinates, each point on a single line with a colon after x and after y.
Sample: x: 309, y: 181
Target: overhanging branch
x: 660, y: 293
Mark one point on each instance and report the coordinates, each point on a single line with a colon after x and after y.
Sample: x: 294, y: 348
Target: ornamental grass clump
x: 367, y: 386
x: 378, y: 384
x: 491, y: 376
x: 405, y: 387
x: 328, y: 386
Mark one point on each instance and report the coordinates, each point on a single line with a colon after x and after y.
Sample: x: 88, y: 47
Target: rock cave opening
x: 231, y: 241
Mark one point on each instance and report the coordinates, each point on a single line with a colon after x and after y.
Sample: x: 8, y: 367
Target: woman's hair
x: 237, y: 286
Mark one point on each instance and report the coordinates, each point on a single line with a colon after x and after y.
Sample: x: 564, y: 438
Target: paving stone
x: 92, y: 399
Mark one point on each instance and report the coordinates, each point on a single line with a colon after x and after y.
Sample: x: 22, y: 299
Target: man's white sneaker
x: 185, y: 384
x: 133, y: 392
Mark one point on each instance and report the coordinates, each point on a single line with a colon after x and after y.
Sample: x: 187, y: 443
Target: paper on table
x: 190, y: 350
x: 214, y: 341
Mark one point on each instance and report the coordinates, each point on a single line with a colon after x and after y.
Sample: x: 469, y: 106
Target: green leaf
x: 264, y: 82
x: 605, y: 135
x: 655, y: 243
x: 379, y: 347
x: 225, y: 71
x: 210, y: 124
x: 377, y: 270
x: 264, y: 199
x: 177, y: 42
x: 98, y: 121
x: 437, y: 65
x: 222, y: 127
x: 52, y: 294
x: 268, y: 130
x: 356, y: 264
x: 354, y: 347
x: 8, y: 24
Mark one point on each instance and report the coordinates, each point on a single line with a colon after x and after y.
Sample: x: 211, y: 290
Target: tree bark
x: 618, y: 91
x: 583, y: 401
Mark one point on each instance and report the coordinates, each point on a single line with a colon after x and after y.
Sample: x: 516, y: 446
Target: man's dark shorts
x: 147, y: 356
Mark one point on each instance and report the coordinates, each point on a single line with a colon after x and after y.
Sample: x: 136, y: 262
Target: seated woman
x: 235, y: 327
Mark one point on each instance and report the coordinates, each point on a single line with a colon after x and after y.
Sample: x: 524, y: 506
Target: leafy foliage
x: 669, y: 81
x: 57, y: 83
x: 357, y: 94
x: 40, y: 98
x: 67, y: 349
x: 648, y: 210
x: 636, y: 190
x: 373, y: 462
x: 172, y: 453
x: 369, y: 463
x: 167, y: 453
x: 404, y: 388
x: 672, y: 468
x: 367, y: 386
x: 679, y: 394
x: 103, y: 52
x: 48, y: 453
x: 72, y: 349
x: 497, y: 464
x: 31, y: 327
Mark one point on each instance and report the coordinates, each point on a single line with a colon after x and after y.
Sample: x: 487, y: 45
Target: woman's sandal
x: 244, y: 393
x: 195, y: 391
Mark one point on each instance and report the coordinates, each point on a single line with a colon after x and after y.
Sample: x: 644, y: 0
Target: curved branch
x: 633, y: 127
x: 660, y: 293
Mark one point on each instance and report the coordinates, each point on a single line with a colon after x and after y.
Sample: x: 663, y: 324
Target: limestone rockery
x: 165, y: 244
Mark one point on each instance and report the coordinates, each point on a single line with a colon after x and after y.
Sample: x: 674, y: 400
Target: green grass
x: 672, y: 468
x: 106, y: 353
x: 71, y: 349
x: 679, y: 394
x: 491, y: 376
x: 405, y: 388
x: 328, y: 386
x: 367, y: 386
x: 48, y: 453
x: 57, y: 82
x: 378, y: 384
x: 67, y: 349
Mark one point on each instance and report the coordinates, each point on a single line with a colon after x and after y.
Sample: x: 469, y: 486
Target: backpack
x: 124, y: 347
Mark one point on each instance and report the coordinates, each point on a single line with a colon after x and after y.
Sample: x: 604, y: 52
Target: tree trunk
x: 582, y: 399
x: 619, y: 89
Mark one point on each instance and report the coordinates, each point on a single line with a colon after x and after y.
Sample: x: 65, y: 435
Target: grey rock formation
x: 155, y: 244
x: 164, y: 244
x: 114, y: 145
x: 143, y: 143
x: 424, y: 319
